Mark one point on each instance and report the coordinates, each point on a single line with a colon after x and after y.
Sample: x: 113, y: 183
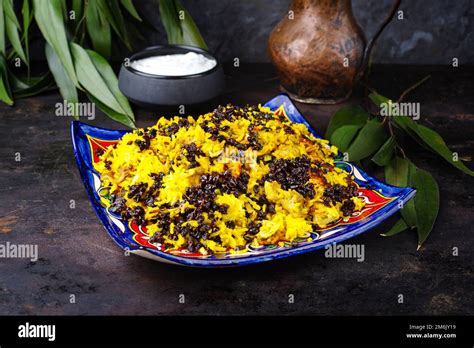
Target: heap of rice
x: 230, y: 178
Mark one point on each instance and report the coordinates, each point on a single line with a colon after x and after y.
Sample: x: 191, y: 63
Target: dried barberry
x: 292, y: 174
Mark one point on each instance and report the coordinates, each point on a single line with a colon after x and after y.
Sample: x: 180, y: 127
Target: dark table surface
x: 76, y: 256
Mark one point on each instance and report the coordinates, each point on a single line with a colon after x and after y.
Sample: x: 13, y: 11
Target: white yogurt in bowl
x: 171, y: 75
x: 190, y: 63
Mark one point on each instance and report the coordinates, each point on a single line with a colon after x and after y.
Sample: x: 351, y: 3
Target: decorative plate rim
x: 281, y: 102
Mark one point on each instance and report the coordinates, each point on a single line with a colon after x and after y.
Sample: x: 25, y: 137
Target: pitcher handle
x: 370, y: 45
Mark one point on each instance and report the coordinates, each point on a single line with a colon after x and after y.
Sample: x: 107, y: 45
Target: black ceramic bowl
x: 154, y: 90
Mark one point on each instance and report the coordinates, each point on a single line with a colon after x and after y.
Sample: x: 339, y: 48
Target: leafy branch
x: 79, y: 37
x: 365, y: 136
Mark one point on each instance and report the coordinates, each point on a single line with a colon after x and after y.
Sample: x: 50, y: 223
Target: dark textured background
x: 78, y: 257
x: 432, y: 31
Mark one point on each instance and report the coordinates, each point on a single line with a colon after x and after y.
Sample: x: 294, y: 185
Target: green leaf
x: 191, y: 34
x: 95, y: 84
x: 398, y: 227
x: 17, y: 84
x: 5, y: 94
x: 347, y: 115
x: 2, y: 29
x: 14, y: 37
x: 409, y: 212
x: 111, y: 80
x: 378, y: 99
x: 115, y: 15
x: 433, y: 140
x: 90, y: 78
x: 179, y: 25
x: 170, y: 18
x: 27, y: 18
x: 20, y: 83
x: 370, y: 138
x: 343, y: 136
x: 104, y: 8
x: 5, y: 91
x: 421, y: 211
x: 12, y: 28
x: 124, y: 119
x: 98, y: 29
x: 67, y: 89
x: 413, y: 135
x: 33, y: 86
x: 49, y: 17
x: 397, y: 173
x: 426, y: 203
x: 128, y: 4
x: 10, y: 12
x: 384, y: 155
x: 423, y: 134
x: 77, y: 6
x: 64, y: 9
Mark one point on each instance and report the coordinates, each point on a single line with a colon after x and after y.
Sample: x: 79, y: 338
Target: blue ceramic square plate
x: 381, y: 200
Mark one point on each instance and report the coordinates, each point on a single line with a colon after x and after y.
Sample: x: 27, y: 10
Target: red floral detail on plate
x: 281, y: 111
x: 97, y: 145
x: 374, y: 201
x: 140, y: 235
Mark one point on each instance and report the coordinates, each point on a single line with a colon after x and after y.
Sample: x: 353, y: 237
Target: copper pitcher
x: 320, y: 51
